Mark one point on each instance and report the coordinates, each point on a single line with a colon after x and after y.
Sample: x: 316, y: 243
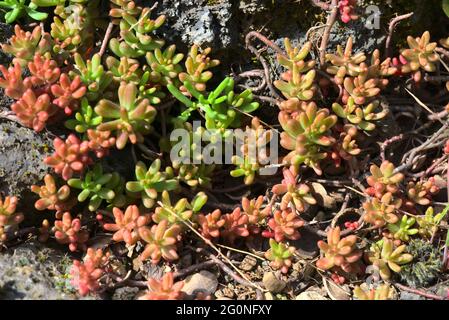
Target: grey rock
x: 31, y: 272
x: 21, y: 160
x: 273, y: 283
x: 125, y: 293
x: 203, y: 281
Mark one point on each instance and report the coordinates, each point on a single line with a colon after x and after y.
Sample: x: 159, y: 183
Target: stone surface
x: 310, y: 295
x: 273, y: 283
x: 203, y: 281
x: 33, y: 272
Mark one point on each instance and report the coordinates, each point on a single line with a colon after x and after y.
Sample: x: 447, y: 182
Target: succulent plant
x: 100, y: 142
x: 253, y: 209
x: 126, y: 224
x: 421, y: 192
x: 86, y: 274
x: 381, y: 292
x: 344, y: 63
x: 95, y: 186
x: 293, y: 84
x: 161, y: 241
x: 402, y: 229
x: 124, y: 7
x: 285, y: 225
x: 9, y: 218
x: 211, y: 224
x: 69, y: 231
x: 297, y: 194
x: 253, y: 151
x: 92, y: 74
x: 52, y: 198
x: 379, y: 212
x: 85, y: 119
x: 346, y: 8
x: 151, y: 181
x: 236, y: 225
x: 362, y: 116
x: 136, y: 34
x: 339, y: 252
x: 197, y: 67
x: 70, y: 156
x: 164, y: 289
x: 44, y: 71
x: 346, y: 147
x: 12, y: 81
x: 68, y: 92
x: 131, y: 118
x: 280, y: 256
x: 361, y: 88
x: 295, y: 57
x: 383, y: 179
x: 387, y: 257
x: 18, y: 8
x: 182, y: 210
x: 32, y: 111
x: 420, y: 55
x: 23, y: 45
x: 429, y: 222
x: 221, y: 108
x: 305, y: 135
x: 164, y: 65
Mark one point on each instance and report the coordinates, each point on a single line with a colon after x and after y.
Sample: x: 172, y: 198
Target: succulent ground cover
x: 374, y: 197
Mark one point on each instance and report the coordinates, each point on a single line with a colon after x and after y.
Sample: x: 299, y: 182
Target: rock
x: 203, y: 281
x: 125, y: 293
x: 310, y: 295
x: 21, y: 161
x: 248, y: 263
x: 272, y: 283
x: 33, y: 272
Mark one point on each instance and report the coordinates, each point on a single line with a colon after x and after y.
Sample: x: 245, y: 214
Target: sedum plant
x: 361, y: 88
x: 339, y: 252
x: 9, y: 218
x: 70, y: 156
x: 362, y: 116
x: 344, y: 63
x: 96, y: 186
x: 69, y: 231
x: 197, y: 67
x: 420, y: 55
x: 429, y: 222
x: 161, y: 241
x: 293, y: 193
x: 52, y: 198
x: 16, y: 9
x: 164, y: 289
x: 402, y: 230
x: 381, y: 292
x: 86, y: 274
x: 181, y: 211
x: 235, y: 225
x: 306, y: 134
x: 92, y: 74
x: 151, y: 181
x: 23, y: 45
x: 211, y: 224
x: 383, y: 179
x: 280, y: 256
x: 164, y: 65
x: 100, y: 142
x: 421, y: 192
x: 285, y: 225
x: 126, y: 224
x: 85, y: 118
x: 136, y: 37
x: 256, y: 214
x: 221, y: 107
x: 131, y: 119
x: 379, y: 212
x: 387, y: 257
